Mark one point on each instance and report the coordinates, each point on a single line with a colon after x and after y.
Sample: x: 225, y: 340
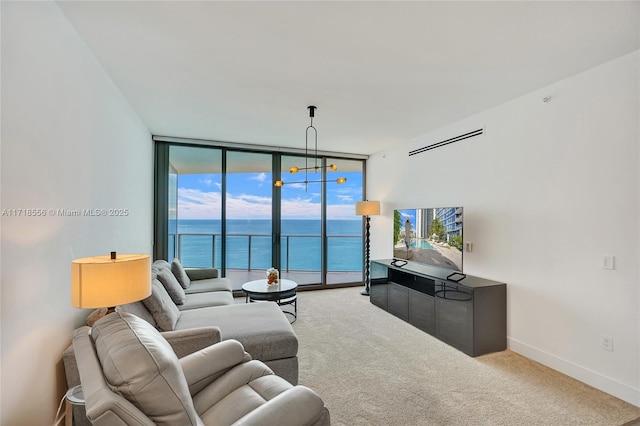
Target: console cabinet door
x: 398, y: 301
x: 378, y: 294
x: 454, y: 316
x: 422, y: 311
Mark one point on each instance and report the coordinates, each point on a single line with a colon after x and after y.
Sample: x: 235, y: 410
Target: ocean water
x: 249, y: 244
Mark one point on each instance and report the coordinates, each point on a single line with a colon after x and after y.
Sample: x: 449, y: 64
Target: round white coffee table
x: 284, y: 293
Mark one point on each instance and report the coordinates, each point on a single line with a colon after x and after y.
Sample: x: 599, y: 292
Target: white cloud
x: 295, y: 185
x: 197, y: 204
x: 254, y: 198
x: 260, y: 177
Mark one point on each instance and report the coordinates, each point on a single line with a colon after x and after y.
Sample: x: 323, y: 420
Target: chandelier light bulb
x: 294, y: 169
x: 278, y: 183
x: 341, y: 180
x: 333, y: 167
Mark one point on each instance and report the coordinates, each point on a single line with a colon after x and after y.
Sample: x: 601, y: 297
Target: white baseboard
x: 597, y: 380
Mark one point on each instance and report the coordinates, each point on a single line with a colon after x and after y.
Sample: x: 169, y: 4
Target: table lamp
x: 367, y: 209
x: 108, y: 281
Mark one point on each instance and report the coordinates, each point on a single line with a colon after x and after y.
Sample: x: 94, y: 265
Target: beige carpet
x: 374, y: 369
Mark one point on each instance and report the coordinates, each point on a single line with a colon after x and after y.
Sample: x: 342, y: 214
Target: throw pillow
x: 162, y: 308
x: 180, y: 273
x: 172, y: 286
x: 140, y: 365
x: 161, y: 263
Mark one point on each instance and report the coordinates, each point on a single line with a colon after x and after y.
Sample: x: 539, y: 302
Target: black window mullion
x: 276, y: 213
x: 223, y: 214
x: 161, y: 201
x: 323, y: 226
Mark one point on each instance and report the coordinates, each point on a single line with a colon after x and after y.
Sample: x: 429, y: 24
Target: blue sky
x: 249, y: 196
x: 408, y: 214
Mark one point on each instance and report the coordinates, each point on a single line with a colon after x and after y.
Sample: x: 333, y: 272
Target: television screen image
x: 431, y: 236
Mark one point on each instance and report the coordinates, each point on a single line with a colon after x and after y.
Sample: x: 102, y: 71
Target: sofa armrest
x: 201, y: 273
x: 188, y: 341
x: 204, y: 366
x: 298, y: 405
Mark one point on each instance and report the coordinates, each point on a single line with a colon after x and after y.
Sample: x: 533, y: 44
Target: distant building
x: 424, y: 217
x: 451, y: 218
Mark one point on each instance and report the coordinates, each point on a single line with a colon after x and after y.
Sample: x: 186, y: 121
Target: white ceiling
x: 380, y: 73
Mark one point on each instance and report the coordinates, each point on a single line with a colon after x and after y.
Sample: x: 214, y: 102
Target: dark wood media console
x: 470, y: 315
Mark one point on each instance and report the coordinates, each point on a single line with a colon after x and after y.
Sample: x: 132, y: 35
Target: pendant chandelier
x: 316, y: 168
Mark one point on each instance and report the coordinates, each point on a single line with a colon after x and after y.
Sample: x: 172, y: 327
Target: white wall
x: 69, y: 141
x: 549, y: 190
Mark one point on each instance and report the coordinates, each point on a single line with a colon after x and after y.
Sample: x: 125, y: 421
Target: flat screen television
x: 430, y: 236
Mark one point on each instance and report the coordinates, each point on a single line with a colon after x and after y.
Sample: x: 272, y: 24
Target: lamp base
x: 97, y: 314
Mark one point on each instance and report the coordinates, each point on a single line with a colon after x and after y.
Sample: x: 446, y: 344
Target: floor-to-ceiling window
x: 343, y: 227
x: 301, y: 224
x: 219, y: 207
x: 248, y: 212
x: 195, y: 205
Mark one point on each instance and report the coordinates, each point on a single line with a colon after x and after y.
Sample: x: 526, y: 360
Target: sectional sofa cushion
x: 164, y: 311
x: 203, y: 300
x: 208, y: 284
x: 171, y: 284
x: 262, y: 328
x: 180, y: 273
x: 139, y: 364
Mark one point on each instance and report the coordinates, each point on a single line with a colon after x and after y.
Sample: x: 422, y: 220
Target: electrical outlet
x: 607, y: 343
x: 608, y: 262
x: 468, y: 247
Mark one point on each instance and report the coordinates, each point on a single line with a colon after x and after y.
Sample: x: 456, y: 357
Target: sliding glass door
x: 248, y: 211
x: 300, y: 225
x: 195, y: 206
x: 218, y: 207
x: 343, y: 227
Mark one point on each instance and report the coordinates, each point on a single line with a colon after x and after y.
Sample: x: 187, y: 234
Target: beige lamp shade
x: 100, y: 281
x: 368, y: 208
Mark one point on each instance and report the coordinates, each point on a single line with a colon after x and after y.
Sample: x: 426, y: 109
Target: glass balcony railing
x: 253, y: 251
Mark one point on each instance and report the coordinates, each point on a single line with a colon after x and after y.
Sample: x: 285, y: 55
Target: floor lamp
x: 367, y: 209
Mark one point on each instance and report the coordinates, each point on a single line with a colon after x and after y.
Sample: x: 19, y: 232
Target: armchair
x: 130, y: 375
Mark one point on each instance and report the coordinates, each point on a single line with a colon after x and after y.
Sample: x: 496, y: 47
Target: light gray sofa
x: 131, y: 376
x: 191, y: 288
x: 261, y: 328
x: 206, y: 300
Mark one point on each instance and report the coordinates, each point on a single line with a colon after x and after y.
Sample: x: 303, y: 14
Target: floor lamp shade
x: 368, y: 208
x: 107, y: 281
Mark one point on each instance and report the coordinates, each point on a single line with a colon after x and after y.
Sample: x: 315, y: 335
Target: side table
x: 284, y: 293
x: 73, y: 397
